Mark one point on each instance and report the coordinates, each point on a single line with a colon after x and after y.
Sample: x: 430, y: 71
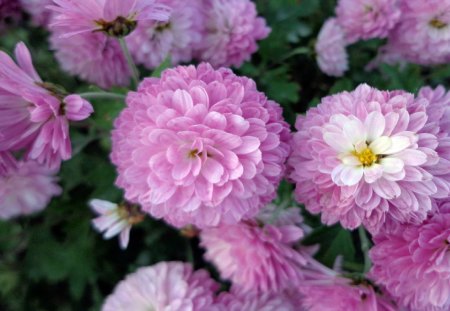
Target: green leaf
x: 167, y: 63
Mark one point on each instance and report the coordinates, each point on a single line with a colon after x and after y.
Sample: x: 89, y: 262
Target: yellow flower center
x: 437, y: 23
x: 366, y: 157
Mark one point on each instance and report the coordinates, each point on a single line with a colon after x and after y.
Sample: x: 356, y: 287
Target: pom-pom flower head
x: 232, y: 30
x: 165, y: 286
x: 200, y: 147
x: 413, y: 262
x: 332, y: 57
x: 367, y: 19
x: 35, y: 114
x: 257, y: 256
x: 365, y: 156
x: 25, y: 187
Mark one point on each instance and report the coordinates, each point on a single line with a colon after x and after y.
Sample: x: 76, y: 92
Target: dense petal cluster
x: 35, y: 115
x: 367, y: 156
x: 413, y: 261
x: 200, y: 146
x: 423, y: 34
x: 256, y: 256
x: 332, y: 56
x: 25, y: 187
x: 38, y: 10
x: 152, y: 41
x: 232, y: 29
x: 166, y: 286
x: 367, y: 19
x: 10, y: 13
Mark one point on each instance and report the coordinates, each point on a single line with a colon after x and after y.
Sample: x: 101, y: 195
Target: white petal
x: 338, y: 142
x: 351, y: 175
x: 372, y: 173
x: 350, y: 160
x: 392, y: 165
x: 355, y: 131
x: 399, y: 143
x: 374, y: 124
x: 124, y: 237
x: 360, y: 146
x: 115, y: 229
x: 102, y: 206
x: 380, y: 145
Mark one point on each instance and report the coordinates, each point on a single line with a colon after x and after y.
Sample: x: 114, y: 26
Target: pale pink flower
x: 25, y: 187
x: 93, y: 57
x: 367, y: 19
x: 152, y: 42
x: 200, y: 147
x: 254, y: 301
x: 38, y: 10
x: 423, y: 34
x: 115, y: 219
x: 166, y: 286
x: 114, y: 17
x: 367, y: 156
x: 256, y: 256
x: 34, y: 114
x: 413, y: 261
x: 10, y: 13
x: 331, y: 51
x: 232, y: 29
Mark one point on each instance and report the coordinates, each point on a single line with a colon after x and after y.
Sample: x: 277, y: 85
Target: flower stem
x: 365, y: 246
x: 131, y: 64
x: 102, y: 95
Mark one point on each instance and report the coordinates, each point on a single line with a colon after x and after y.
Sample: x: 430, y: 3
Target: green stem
x: 365, y: 246
x: 102, y: 95
x: 131, y: 64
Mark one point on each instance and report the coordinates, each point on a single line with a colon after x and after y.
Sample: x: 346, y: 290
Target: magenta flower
x: 34, y: 114
x: 256, y: 256
x: 38, y: 10
x: 25, y: 187
x: 332, y: 56
x: 232, y: 30
x: 367, y: 19
x: 115, y: 219
x: 165, y: 286
x: 113, y: 17
x: 367, y: 156
x: 10, y: 13
x: 413, y: 261
x: 423, y: 33
x: 152, y: 41
x: 200, y: 147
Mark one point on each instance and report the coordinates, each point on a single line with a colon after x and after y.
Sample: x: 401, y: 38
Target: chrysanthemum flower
x: 332, y: 56
x: 166, y: 286
x: 10, y: 13
x: 367, y: 19
x: 200, y: 147
x: 93, y: 57
x: 232, y: 30
x: 114, y: 17
x: 423, y: 34
x: 256, y: 256
x: 365, y: 156
x: 25, y: 187
x: 35, y: 115
x: 254, y: 301
x: 38, y: 10
x: 413, y: 261
x: 152, y: 41
x: 115, y: 219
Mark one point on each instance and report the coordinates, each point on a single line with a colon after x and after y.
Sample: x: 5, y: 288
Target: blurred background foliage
x: 56, y: 261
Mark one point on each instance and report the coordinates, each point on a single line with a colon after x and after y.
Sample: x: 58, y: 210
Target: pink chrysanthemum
x: 25, y: 187
x: 367, y: 156
x: 413, y: 261
x: 114, y: 17
x: 332, y: 56
x: 367, y: 19
x: 166, y: 286
x: 34, y: 115
x: 423, y: 33
x: 152, y: 42
x: 232, y: 28
x: 10, y: 13
x: 256, y: 256
x: 200, y: 146
x: 254, y: 301
x: 38, y: 10
x: 93, y: 57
